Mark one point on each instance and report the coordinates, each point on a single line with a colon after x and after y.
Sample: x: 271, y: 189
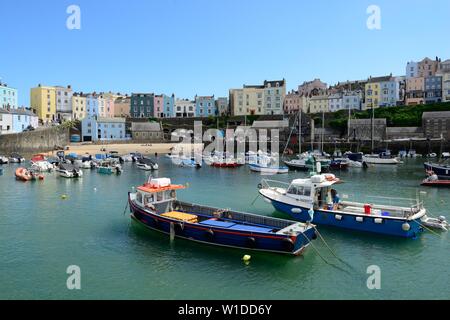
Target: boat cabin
x: 317, y: 190
x: 157, y: 194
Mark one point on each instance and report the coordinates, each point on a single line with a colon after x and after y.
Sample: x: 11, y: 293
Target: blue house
x: 205, y: 106
x: 103, y: 129
x: 23, y: 119
x: 92, y: 108
x: 168, y: 103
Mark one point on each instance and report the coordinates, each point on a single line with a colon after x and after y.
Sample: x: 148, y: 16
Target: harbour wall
x: 40, y: 140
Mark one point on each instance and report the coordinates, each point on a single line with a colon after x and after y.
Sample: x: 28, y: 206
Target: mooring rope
x: 428, y: 229
x: 126, y: 207
x: 320, y: 255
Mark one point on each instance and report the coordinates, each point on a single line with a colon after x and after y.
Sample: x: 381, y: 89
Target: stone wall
x: 40, y: 140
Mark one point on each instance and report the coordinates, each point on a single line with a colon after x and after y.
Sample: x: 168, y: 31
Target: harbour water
x: 42, y: 234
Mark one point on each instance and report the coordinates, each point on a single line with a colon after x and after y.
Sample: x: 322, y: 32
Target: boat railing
x: 266, y: 183
x: 248, y: 218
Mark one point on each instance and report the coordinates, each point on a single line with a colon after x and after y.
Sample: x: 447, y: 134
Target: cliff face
x: 40, y: 140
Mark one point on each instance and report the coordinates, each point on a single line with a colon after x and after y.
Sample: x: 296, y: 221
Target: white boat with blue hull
x: 312, y: 199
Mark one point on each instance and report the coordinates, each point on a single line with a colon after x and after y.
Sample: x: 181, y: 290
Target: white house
x: 6, y: 123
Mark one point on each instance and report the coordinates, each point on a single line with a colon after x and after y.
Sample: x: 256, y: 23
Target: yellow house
x: 372, y: 95
x: 78, y: 106
x: 43, y: 102
x: 319, y: 103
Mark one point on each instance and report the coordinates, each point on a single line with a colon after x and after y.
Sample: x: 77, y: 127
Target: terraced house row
x: 426, y: 81
x: 14, y: 119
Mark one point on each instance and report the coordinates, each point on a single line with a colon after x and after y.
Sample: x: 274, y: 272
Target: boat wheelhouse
x: 441, y: 170
x: 155, y: 205
x: 315, y: 198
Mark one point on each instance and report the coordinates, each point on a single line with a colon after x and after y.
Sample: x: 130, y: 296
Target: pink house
x: 159, y: 106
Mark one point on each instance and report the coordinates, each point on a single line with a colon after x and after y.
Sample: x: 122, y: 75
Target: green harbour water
x: 41, y: 235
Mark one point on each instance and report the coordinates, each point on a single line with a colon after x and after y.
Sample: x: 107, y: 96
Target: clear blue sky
x: 205, y: 47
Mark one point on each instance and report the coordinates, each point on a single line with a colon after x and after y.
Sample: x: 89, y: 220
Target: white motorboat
x: 69, y: 171
x: 39, y: 162
x: 266, y: 169
x: 147, y: 164
x: 4, y: 160
x: 126, y: 158
x: 376, y: 159
x: 16, y: 158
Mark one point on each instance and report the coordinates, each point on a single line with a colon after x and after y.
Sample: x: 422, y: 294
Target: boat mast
x: 323, y: 128
x: 372, y: 125
x: 299, y: 131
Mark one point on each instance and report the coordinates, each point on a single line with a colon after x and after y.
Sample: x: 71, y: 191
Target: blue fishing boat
x: 314, y: 199
x: 156, y: 206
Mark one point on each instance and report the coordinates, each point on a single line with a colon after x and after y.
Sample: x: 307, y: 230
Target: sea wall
x: 41, y: 140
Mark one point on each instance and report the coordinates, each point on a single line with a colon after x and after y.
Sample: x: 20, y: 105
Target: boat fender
x: 406, y: 226
x: 378, y: 221
x: 338, y: 217
x: 210, y: 233
x: 296, y: 210
x: 179, y: 227
x: 359, y: 219
x: 288, y: 244
x: 251, y: 242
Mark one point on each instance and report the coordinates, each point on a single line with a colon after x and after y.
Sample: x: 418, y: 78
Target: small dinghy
x: 436, y: 223
x: 69, y: 171
x: 27, y: 175
x: 155, y: 206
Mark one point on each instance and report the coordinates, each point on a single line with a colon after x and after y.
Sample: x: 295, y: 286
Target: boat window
x: 292, y: 190
x: 139, y: 197
x: 149, y: 199
x: 171, y: 194
x: 159, y: 196
x: 307, y: 192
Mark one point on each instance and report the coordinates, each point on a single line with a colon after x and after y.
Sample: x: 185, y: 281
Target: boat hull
x: 437, y: 183
x: 268, y: 170
x: 392, y: 227
x: 221, y: 237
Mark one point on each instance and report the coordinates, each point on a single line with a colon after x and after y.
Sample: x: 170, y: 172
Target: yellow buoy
x: 64, y: 197
x: 247, y: 258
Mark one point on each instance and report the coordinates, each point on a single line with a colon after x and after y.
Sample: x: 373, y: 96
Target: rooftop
x: 146, y: 126
x: 436, y: 115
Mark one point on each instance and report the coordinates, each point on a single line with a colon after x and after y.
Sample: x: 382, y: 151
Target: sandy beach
x: 147, y: 149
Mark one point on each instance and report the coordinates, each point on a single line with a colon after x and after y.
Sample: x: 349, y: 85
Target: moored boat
x: 441, y: 170
x: 39, y: 162
x: 156, y: 206
x: 315, y: 197
x: 109, y: 166
x: 16, y: 158
x: 69, y: 171
x: 24, y: 174
x: 147, y: 164
x: 268, y: 169
x: 4, y: 160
